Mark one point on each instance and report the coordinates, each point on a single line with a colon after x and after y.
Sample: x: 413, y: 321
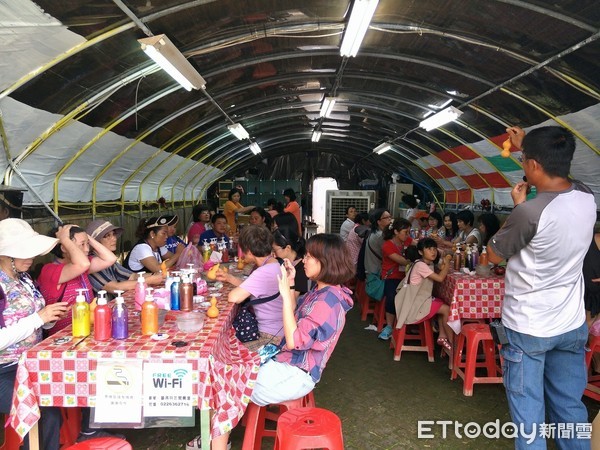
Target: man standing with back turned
x: 546, y: 239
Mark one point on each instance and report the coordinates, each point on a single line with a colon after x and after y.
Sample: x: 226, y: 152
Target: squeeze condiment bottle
x: 81, y: 315
x: 102, y: 319
x: 475, y: 255
x: 483, y: 258
x: 206, y: 251
x: 140, y: 291
x: 120, y: 327
x: 457, y: 259
x: 186, y: 293
x: 149, y: 315
x: 469, y: 259
x: 175, y: 294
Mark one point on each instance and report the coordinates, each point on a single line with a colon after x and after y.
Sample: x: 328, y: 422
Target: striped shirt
x: 116, y: 272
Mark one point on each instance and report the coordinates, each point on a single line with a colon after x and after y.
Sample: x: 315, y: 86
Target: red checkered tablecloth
x: 53, y: 374
x: 471, y: 297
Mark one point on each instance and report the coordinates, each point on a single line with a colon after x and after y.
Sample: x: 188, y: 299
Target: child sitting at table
x: 417, y: 304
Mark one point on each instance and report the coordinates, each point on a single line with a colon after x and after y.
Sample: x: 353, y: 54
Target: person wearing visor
x: 23, y: 314
x: 150, y: 251
x: 115, y: 277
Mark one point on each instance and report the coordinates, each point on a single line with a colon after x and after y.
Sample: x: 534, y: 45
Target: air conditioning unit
x: 338, y: 201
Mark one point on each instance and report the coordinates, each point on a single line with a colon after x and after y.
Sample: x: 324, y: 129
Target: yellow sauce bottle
x: 81, y: 315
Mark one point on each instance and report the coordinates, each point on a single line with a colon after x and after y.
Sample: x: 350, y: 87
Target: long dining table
x: 56, y: 373
x: 471, y: 297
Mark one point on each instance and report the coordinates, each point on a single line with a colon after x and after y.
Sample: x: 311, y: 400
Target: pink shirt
x: 66, y: 292
x: 196, y: 230
x: 419, y: 272
x: 262, y: 283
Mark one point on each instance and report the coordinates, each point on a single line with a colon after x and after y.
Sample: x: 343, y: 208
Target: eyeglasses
x: 306, y: 256
x: 385, y: 217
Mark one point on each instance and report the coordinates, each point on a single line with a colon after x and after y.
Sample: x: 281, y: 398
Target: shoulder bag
x: 413, y: 301
x: 245, y: 323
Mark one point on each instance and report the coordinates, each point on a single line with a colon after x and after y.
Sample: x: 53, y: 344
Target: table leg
x: 34, y: 438
x: 204, y: 428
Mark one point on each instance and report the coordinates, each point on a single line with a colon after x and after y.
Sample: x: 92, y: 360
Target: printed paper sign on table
x: 118, y: 391
x: 168, y: 390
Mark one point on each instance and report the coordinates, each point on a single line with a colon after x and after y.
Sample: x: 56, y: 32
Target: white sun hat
x: 19, y: 240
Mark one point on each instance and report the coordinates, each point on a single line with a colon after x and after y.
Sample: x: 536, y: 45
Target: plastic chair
x: 109, y: 443
x: 592, y: 389
x: 309, y: 428
x: 11, y: 438
x: 256, y: 417
x: 425, y: 338
x: 471, y: 336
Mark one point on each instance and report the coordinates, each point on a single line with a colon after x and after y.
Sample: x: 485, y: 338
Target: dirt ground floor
x: 381, y: 401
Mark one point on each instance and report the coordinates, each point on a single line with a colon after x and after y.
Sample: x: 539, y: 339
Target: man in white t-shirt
x: 543, y: 311
x: 348, y: 224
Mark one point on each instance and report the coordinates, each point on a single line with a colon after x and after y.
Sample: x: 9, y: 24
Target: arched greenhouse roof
x: 86, y: 116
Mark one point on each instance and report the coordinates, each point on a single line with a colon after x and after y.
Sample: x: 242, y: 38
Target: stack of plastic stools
x: 305, y: 428
x: 425, y: 338
x: 470, y: 337
x: 592, y: 390
x: 12, y: 441
x: 108, y: 443
x: 256, y: 417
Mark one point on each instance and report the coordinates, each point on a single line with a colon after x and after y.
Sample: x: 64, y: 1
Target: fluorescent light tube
x: 443, y: 117
x: 255, y: 148
x: 382, y: 148
x: 172, y: 61
x: 327, y: 106
x: 316, y: 136
x: 238, y: 131
x: 360, y: 18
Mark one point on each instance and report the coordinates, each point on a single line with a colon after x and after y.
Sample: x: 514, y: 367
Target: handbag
x: 245, y: 323
x: 412, y: 301
x: 375, y: 286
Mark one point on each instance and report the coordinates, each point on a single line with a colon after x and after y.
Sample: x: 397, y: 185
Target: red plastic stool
x: 425, y: 338
x: 592, y: 390
x: 12, y: 441
x: 109, y: 443
x: 71, y: 426
x: 471, y: 336
x: 256, y: 417
x: 309, y: 428
x: 370, y: 306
